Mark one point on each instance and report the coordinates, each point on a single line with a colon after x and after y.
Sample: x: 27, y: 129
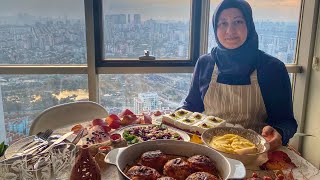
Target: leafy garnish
x: 161, y: 126
x: 176, y: 135
x: 130, y: 138
x: 133, y: 141
x: 3, y: 148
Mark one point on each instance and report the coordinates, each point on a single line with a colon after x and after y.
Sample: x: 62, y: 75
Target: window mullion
x: 93, y: 80
x: 196, y: 23
x: 205, y: 23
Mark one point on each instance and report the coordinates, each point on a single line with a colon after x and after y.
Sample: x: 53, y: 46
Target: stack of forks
x: 40, y: 141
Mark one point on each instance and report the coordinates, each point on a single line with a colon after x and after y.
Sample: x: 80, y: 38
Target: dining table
x: 305, y: 170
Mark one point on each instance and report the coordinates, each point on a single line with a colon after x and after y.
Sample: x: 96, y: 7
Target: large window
x: 160, y: 26
x: 42, y: 32
x: 276, y: 23
x: 39, y: 32
x: 24, y: 97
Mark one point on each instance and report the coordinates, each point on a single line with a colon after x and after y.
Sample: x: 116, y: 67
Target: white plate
x: 183, y: 134
x: 13, y: 148
x: 16, y: 147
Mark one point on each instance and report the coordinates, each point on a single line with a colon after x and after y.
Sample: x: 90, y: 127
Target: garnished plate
x: 145, y: 132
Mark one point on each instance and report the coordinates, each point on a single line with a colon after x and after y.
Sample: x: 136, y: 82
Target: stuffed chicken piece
x: 142, y: 173
x: 177, y: 168
x: 202, y: 176
x: 154, y: 159
x: 202, y: 163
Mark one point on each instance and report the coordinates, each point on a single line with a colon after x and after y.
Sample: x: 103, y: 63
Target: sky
x: 277, y: 10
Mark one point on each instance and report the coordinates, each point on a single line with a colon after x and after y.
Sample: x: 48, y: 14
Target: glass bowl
x: 260, y: 142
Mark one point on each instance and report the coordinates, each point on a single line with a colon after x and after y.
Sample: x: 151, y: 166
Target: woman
x: 240, y: 83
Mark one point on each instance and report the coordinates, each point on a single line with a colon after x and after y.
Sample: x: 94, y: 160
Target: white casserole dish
x: 228, y: 168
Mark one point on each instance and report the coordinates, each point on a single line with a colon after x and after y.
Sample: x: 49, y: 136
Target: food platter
x: 182, y: 134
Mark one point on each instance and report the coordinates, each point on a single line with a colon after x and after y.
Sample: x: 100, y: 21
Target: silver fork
x: 40, y: 138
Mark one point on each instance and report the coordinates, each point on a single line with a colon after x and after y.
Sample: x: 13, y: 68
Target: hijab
x: 236, y: 65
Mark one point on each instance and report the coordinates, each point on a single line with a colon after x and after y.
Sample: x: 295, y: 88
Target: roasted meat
x: 166, y: 178
x: 202, y: 163
x: 202, y: 176
x: 177, y: 168
x: 142, y: 173
x: 154, y: 159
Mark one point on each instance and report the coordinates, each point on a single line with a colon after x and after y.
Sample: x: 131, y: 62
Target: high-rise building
x: 116, y: 19
x: 129, y: 20
x: 19, y: 125
x: 293, y: 43
x: 146, y: 102
x: 138, y: 105
x: 137, y: 19
x: 122, y: 19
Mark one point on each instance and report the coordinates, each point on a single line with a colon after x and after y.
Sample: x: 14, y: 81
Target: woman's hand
x: 272, y: 136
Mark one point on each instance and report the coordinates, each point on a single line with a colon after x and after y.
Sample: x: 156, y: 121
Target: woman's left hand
x: 272, y: 136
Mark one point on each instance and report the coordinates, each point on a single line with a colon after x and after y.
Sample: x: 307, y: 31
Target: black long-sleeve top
x: 274, y: 84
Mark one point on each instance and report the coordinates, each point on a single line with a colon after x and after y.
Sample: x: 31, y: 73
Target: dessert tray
x: 192, y: 122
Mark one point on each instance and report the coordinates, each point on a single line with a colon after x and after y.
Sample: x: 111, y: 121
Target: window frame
x: 304, y: 55
x: 194, y: 46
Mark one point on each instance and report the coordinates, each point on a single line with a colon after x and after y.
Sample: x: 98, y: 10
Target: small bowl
x: 260, y: 142
x: 115, y: 138
x: 104, y: 149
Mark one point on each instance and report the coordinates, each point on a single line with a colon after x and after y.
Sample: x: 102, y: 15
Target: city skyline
x: 274, y: 10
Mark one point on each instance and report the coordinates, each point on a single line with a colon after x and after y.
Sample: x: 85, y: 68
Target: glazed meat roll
x: 202, y: 163
x: 142, y: 173
x: 177, y: 168
x: 154, y: 159
x: 202, y: 176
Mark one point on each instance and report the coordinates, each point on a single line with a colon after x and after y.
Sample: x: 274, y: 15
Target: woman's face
x: 232, y: 29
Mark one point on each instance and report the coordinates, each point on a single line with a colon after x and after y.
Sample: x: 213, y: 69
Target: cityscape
x: 27, y: 39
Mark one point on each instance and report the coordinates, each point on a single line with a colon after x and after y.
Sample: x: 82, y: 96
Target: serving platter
x: 182, y: 134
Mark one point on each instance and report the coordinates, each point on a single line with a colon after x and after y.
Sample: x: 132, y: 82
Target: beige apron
x: 237, y: 104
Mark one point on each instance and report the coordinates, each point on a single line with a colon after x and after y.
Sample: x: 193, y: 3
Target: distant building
x: 129, y: 20
x: 116, y: 19
x: 137, y: 19
x: 138, y: 105
x: 19, y: 125
x: 146, y: 102
x: 293, y: 43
